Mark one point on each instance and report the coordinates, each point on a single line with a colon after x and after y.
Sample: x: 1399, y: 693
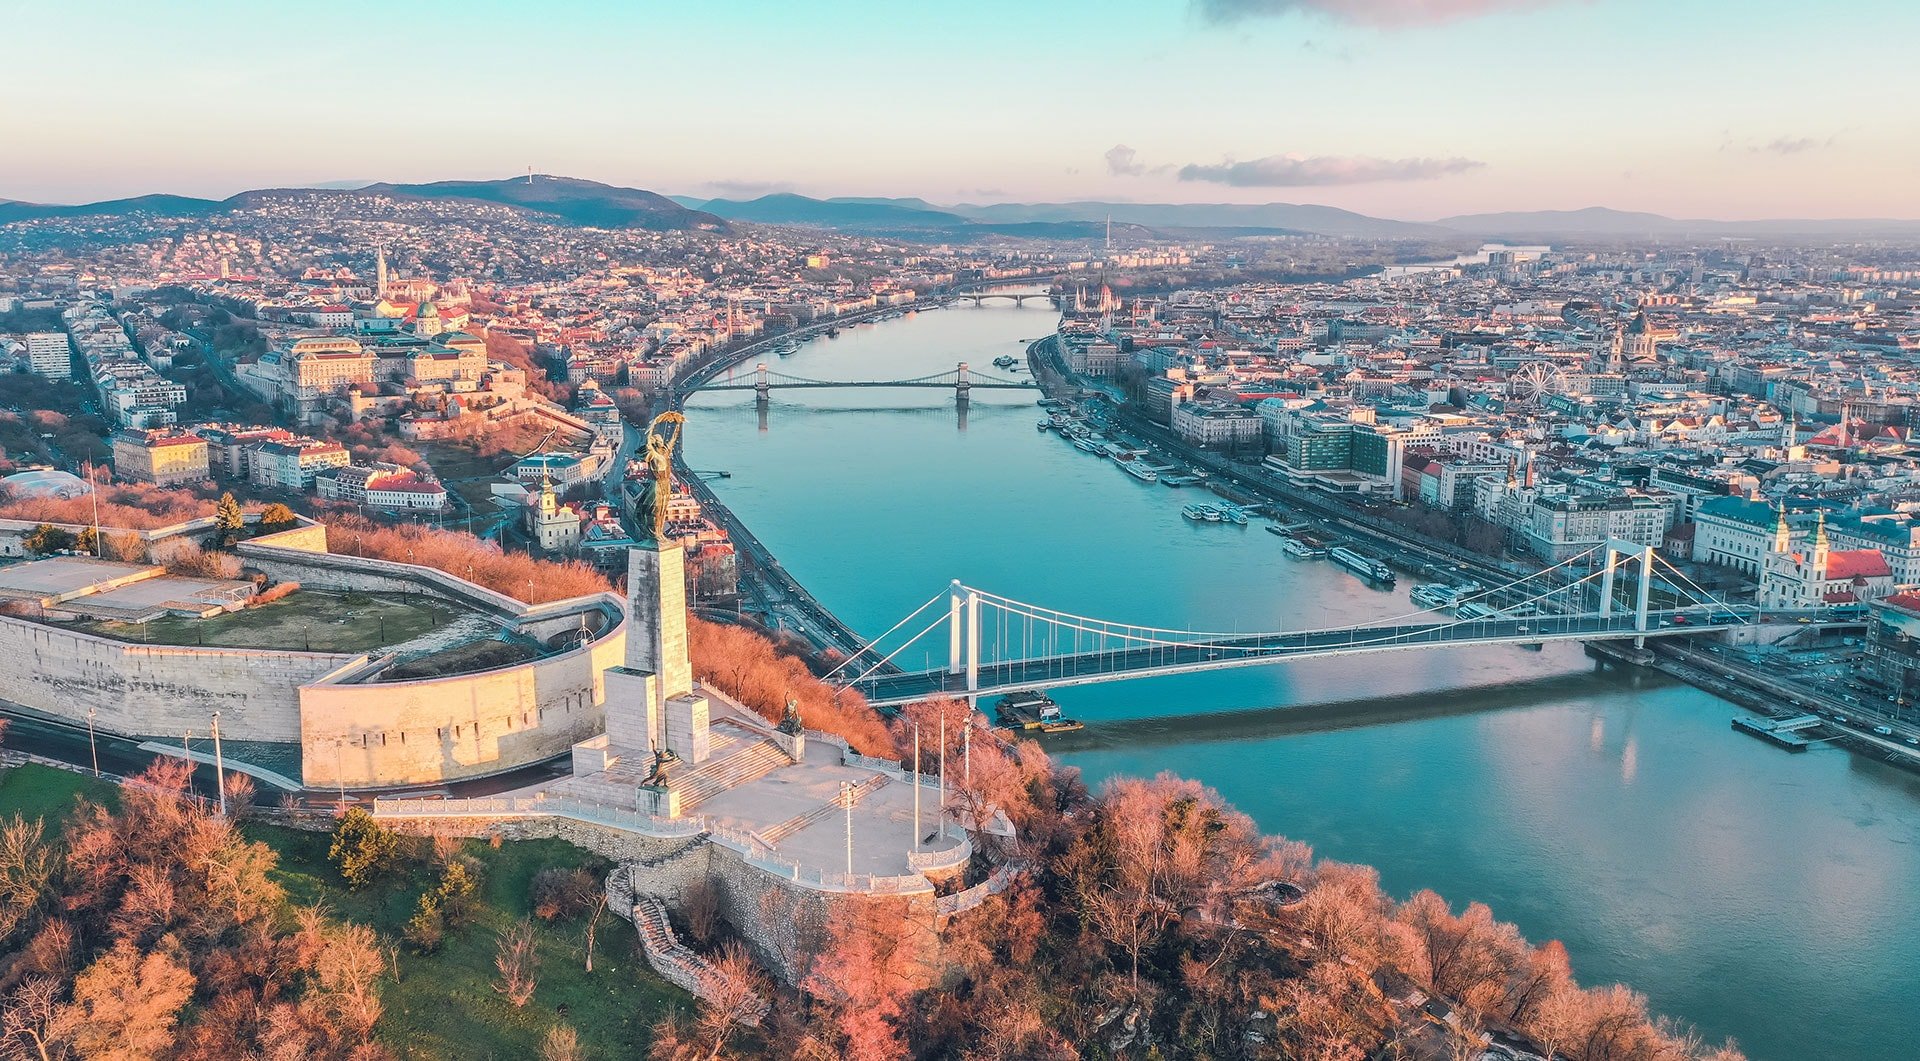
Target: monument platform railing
x: 538, y: 806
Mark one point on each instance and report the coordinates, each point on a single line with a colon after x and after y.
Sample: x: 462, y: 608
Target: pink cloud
x: 1382, y: 13
x: 1298, y: 171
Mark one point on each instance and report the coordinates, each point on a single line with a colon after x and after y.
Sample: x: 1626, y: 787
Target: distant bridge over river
x: 962, y: 380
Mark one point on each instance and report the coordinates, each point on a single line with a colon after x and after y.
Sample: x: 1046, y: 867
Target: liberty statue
x: 650, y: 505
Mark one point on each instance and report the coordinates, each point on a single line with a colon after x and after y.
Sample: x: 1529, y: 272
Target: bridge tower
x: 963, y: 634
x: 762, y: 388
x: 1616, y: 549
x: 960, y: 384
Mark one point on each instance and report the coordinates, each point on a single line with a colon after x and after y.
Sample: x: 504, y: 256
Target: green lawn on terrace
x: 444, y: 1005
x: 306, y: 620
x: 34, y: 791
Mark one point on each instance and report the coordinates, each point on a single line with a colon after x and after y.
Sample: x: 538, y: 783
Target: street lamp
x: 219, y: 766
x: 340, y: 770
x: 93, y: 748
x: 846, y: 798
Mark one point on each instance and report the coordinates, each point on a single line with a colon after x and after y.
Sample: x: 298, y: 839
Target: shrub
x: 276, y: 517
x: 190, y: 560
x: 763, y: 676
x: 363, y: 849
x: 274, y: 593
x: 47, y: 539
x: 516, y: 575
x: 132, y: 506
x: 564, y: 894
x: 427, y: 928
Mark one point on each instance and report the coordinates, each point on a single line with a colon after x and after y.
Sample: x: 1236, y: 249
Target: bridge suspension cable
x: 1030, y: 643
x: 1188, y: 636
x: 870, y: 645
x: 1148, y: 637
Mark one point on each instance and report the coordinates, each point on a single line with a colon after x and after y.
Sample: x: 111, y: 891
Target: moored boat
x: 1363, y: 565
x: 1033, y: 710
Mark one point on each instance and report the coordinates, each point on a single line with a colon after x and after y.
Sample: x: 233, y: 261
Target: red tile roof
x: 1857, y: 563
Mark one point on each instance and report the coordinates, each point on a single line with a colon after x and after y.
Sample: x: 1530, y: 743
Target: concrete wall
x: 157, y: 690
x: 442, y: 729
x: 200, y: 531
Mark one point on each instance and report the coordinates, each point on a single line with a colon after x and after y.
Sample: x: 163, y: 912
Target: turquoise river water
x: 1771, y: 897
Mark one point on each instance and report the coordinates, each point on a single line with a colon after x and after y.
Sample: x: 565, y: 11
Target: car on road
x: 1884, y: 731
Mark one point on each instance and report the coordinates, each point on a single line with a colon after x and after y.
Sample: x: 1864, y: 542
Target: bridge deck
x: 893, y: 384
x: 1055, y: 671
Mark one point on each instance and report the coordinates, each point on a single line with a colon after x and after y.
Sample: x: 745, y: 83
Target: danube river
x: 1771, y: 897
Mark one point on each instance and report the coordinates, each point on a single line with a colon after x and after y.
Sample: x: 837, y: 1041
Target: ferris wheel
x: 1534, y: 381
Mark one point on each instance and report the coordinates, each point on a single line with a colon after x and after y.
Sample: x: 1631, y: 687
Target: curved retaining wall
x: 353, y: 733
x: 157, y: 690
x: 365, y: 734
x: 377, y: 734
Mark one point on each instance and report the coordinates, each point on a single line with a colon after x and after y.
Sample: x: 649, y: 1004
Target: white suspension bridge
x: 996, y: 644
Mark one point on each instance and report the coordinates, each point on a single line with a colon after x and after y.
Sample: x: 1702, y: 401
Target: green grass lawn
x: 444, y: 1005
x: 307, y: 620
x: 42, y: 792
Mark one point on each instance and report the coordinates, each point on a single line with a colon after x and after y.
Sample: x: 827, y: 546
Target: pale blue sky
x: 1686, y: 107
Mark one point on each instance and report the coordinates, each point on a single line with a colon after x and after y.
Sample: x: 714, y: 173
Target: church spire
x: 1782, y: 534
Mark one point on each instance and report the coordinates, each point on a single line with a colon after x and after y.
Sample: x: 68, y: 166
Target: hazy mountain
x: 569, y: 200
x: 1599, y: 221
x: 786, y: 208
x: 908, y: 202
x: 1266, y: 217
x: 563, y: 199
x: 170, y: 205
x: 576, y: 201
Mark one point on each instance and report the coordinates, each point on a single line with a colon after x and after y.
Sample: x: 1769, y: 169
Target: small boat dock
x: 1784, y: 732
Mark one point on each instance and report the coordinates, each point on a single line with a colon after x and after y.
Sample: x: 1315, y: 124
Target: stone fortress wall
x: 354, y: 732
x: 156, y: 690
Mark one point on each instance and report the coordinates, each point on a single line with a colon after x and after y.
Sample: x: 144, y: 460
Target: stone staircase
x: 744, y: 761
x: 680, y: 966
x: 774, y: 834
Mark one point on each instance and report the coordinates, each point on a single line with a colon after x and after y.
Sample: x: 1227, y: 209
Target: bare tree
x: 516, y: 959
x: 31, y: 1024
x: 734, y: 996
x: 348, y: 969
x: 593, y: 923
x: 26, y: 865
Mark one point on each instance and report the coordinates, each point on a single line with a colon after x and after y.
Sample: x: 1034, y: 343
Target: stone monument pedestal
x: 632, y: 709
